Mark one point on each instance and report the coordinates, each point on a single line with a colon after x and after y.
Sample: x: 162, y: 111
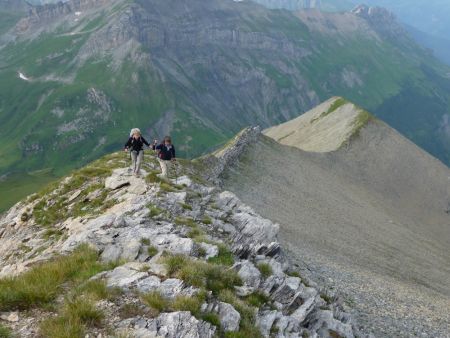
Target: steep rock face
x: 49, y: 12
x: 144, y: 223
x: 382, y: 20
x: 14, y: 5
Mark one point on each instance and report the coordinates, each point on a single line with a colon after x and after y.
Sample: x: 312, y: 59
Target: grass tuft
x: 265, y: 269
x: 154, y: 210
x: 43, y: 283
x: 211, y: 318
x: 186, y: 206
x: 60, y: 327
x: 83, y: 310
x: 257, y: 299
x: 152, y: 251
x: 5, y: 332
x: 186, y: 221
x: 75, y: 316
x: 155, y: 301
x: 187, y: 303
x: 224, y: 257
x: 201, y: 274
x: 247, y: 325
x: 145, y: 241
x: 129, y: 310
x: 207, y: 220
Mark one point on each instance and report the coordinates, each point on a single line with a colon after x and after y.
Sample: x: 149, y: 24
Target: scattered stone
x: 12, y: 317
x: 74, y: 196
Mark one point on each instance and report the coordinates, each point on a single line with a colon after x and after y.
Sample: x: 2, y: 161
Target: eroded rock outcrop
x: 138, y: 224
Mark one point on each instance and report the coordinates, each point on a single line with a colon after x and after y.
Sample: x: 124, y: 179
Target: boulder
x: 111, y: 253
x: 123, y: 276
x: 210, y: 250
x: 249, y: 274
x: 116, y: 182
x: 229, y: 317
x: 265, y: 320
x: 175, y: 325
x: 131, y: 249
x: 323, y: 322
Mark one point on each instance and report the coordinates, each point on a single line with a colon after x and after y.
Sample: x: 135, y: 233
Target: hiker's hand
x: 125, y: 150
x: 174, y: 160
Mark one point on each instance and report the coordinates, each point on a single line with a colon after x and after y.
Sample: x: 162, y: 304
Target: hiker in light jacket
x: 135, y: 144
x: 166, y: 154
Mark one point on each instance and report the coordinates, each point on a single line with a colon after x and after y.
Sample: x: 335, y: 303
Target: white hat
x: 135, y: 131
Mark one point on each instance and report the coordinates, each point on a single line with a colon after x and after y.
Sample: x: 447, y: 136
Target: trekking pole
x: 176, y: 172
x: 128, y: 156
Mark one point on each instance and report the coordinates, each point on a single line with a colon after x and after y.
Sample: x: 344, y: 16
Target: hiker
x: 166, y: 154
x: 135, y: 144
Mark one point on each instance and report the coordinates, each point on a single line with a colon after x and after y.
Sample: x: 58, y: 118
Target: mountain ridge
x: 370, y: 219
x: 186, y: 258
x: 199, y: 72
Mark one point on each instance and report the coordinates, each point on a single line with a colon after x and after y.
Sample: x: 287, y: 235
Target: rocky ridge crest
x: 144, y: 225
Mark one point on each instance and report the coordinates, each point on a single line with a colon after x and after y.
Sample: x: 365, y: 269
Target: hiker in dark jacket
x: 135, y: 144
x: 166, y: 154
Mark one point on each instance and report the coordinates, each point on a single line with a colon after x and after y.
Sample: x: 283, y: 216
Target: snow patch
x: 24, y: 77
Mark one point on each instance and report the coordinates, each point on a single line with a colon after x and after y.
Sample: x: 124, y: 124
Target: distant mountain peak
x: 381, y: 19
x: 325, y: 128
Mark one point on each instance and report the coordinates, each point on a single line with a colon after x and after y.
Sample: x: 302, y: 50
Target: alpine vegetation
x: 105, y: 252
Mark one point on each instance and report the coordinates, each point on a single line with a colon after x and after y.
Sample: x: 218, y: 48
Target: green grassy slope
x: 73, y: 111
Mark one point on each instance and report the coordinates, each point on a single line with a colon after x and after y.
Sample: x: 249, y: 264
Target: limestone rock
x: 10, y: 316
x: 175, y: 325
x: 249, y: 274
x: 116, y: 182
x: 229, y: 317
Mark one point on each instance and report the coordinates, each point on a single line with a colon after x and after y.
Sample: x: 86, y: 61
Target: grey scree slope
x: 369, y: 217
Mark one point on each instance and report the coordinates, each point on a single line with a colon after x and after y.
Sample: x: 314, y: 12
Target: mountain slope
x: 371, y: 217
x: 75, y: 77
x: 295, y: 5
x: 440, y: 46
x: 102, y: 252
x: 428, y: 16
